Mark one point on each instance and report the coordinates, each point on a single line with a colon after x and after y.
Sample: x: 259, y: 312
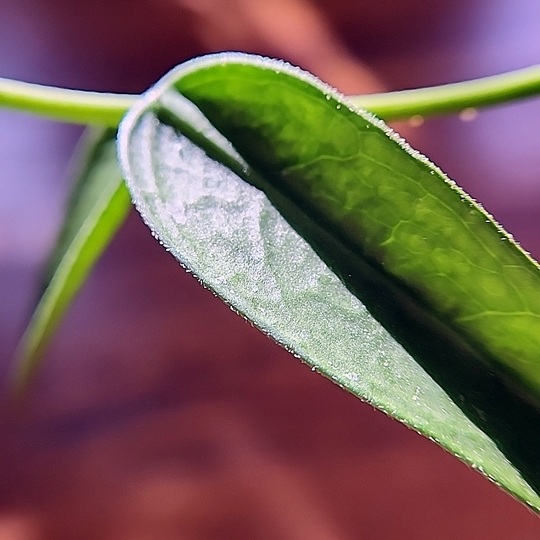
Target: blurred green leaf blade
x: 371, y: 214
x: 97, y: 208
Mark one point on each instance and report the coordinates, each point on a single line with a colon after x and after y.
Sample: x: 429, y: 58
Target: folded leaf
x: 97, y: 207
x: 334, y: 237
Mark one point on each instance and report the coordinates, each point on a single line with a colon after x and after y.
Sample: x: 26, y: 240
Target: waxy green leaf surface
x: 97, y: 207
x: 315, y: 222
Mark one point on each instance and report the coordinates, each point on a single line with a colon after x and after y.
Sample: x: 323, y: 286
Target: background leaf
x: 97, y: 207
x: 230, y: 234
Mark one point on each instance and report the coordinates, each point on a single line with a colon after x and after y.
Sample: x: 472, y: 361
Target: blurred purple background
x: 158, y: 413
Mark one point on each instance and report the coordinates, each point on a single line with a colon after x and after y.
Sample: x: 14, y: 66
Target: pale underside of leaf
x: 229, y: 234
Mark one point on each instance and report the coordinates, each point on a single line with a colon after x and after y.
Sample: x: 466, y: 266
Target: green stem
x: 83, y: 107
x: 451, y: 98
x: 77, y: 106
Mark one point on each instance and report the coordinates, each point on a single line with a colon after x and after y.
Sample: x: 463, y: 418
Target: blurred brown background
x: 161, y: 415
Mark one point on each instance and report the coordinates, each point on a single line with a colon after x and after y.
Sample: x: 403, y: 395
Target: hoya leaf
x: 97, y: 207
x: 330, y: 234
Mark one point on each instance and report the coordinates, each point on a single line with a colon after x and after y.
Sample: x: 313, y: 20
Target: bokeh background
x: 158, y: 413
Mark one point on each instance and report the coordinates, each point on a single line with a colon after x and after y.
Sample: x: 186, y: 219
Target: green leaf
x: 330, y: 234
x: 98, y: 206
